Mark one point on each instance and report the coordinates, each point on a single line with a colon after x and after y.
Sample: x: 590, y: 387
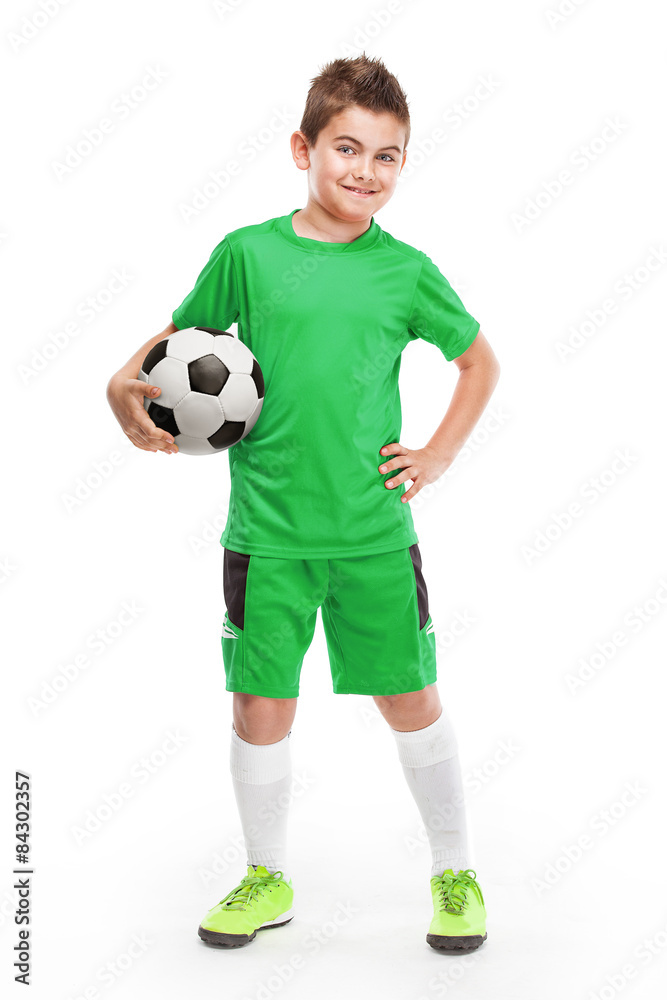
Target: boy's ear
x: 300, y: 150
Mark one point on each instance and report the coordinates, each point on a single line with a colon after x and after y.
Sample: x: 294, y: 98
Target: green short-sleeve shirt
x: 327, y: 323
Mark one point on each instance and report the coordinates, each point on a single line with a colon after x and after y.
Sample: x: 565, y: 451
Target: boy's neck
x: 314, y: 223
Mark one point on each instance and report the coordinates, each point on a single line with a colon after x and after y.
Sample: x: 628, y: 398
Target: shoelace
x: 249, y: 887
x: 453, y: 889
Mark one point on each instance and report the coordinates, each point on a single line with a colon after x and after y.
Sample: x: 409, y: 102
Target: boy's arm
x: 479, y: 371
x: 125, y: 394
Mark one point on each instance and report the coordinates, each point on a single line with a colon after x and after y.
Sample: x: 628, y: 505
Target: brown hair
x: 343, y: 82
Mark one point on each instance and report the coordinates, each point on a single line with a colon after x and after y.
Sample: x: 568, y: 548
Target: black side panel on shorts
x: 422, y: 593
x: 234, y: 579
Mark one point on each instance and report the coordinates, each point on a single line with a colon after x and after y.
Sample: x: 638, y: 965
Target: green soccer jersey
x: 327, y: 323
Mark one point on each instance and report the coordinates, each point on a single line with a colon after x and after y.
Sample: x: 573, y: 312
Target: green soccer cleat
x: 260, y: 900
x: 459, y: 914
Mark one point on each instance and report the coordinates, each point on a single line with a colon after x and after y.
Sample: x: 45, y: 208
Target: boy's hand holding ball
x: 126, y: 399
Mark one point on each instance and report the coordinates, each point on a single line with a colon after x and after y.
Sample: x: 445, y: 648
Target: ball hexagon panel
x: 234, y: 354
x: 230, y: 433
x: 239, y: 397
x: 199, y: 415
x: 162, y: 417
x: 186, y: 345
x: 156, y: 353
x: 208, y: 374
x: 172, y: 377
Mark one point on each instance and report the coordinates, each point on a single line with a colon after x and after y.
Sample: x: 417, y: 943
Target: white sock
x: 262, y: 780
x: 431, y: 766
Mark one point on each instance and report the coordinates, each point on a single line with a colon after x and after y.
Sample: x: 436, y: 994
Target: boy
x: 327, y: 301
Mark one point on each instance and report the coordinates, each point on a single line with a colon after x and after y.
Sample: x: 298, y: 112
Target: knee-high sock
x: 262, y: 780
x: 431, y: 766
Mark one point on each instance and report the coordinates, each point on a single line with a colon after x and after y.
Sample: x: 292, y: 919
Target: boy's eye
x: 390, y: 158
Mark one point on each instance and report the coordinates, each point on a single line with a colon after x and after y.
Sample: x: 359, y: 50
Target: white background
x: 550, y: 438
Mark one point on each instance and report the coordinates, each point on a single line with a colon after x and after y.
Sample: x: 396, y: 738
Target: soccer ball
x: 212, y: 389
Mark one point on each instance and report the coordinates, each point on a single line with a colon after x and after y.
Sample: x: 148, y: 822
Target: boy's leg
x: 261, y: 768
x: 268, y: 626
x: 428, y: 752
x: 381, y: 642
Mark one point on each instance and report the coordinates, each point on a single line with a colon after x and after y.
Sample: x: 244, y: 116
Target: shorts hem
x: 264, y: 693
x: 374, y: 691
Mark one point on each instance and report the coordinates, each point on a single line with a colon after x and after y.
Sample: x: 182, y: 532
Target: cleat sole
x: 457, y: 944
x: 238, y: 940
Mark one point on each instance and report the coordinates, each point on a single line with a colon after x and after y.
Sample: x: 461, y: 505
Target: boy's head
x: 353, y: 134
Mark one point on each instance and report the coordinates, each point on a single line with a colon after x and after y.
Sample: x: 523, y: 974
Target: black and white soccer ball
x: 212, y: 389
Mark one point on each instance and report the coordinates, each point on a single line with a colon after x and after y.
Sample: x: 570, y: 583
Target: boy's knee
x: 411, y: 706
x: 261, y: 720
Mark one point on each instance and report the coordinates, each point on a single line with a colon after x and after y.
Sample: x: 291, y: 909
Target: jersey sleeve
x: 437, y: 314
x: 213, y: 301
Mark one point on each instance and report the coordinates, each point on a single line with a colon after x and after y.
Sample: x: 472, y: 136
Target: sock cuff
x: 429, y: 745
x: 259, y: 764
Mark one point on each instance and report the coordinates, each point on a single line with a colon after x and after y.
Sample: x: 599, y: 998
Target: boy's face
x: 358, y: 149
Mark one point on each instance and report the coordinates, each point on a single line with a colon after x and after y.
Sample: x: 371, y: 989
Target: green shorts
x: 375, y: 617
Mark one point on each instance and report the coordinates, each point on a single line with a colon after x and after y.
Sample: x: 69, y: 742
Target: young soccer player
x: 319, y: 516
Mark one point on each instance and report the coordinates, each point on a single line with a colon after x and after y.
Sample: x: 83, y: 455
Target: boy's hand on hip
x: 421, y: 465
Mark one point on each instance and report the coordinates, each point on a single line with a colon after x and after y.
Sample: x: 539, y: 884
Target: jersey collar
x: 361, y: 243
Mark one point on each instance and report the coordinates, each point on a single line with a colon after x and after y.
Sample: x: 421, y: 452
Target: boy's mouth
x: 360, y: 192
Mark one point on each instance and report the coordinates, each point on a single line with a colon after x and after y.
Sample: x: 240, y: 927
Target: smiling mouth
x: 361, y: 191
